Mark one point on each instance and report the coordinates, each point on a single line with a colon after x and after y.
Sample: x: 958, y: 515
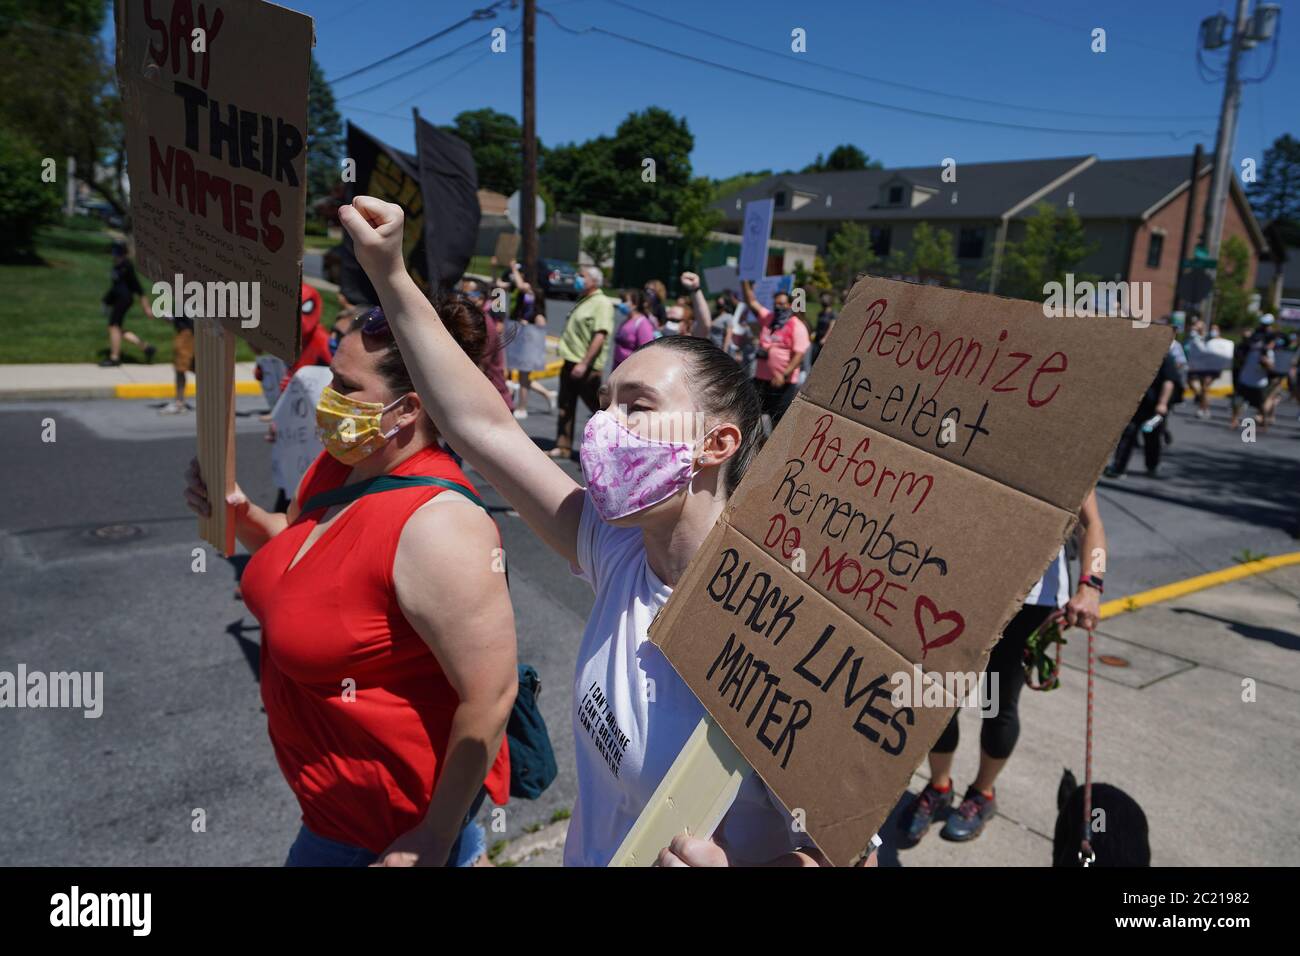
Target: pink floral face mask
x: 627, y: 473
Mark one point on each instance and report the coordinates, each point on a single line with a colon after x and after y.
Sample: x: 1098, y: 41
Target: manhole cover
x: 1113, y: 661
x: 114, y: 533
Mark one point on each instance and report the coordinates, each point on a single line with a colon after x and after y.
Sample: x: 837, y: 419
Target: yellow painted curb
x: 552, y: 369
x: 168, y: 389
x: 1179, y: 588
x: 1216, y: 391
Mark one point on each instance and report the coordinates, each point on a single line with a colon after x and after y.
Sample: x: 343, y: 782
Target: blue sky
x: 1033, y: 55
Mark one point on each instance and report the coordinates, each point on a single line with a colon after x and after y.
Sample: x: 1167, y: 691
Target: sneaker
x: 521, y: 413
x: 916, y: 821
x: 110, y: 363
x: 149, y: 352
x: 1112, y: 472
x: 967, y: 822
x: 173, y: 408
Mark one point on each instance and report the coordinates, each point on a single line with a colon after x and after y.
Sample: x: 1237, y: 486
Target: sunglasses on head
x: 375, y: 323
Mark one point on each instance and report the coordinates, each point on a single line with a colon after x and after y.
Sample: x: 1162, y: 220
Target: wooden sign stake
x: 214, y: 372
x: 692, y: 797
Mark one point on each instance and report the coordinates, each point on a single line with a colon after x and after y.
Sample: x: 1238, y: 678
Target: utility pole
x: 1189, y: 220
x: 528, y: 188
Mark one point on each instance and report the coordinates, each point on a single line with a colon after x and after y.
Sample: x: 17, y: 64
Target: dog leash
x: 1086, y: 854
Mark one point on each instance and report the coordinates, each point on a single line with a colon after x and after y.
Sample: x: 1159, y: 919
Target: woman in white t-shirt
x: 679, y: 423
x: 1000, y: 729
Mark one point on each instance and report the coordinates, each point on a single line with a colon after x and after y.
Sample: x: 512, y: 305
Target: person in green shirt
x: 584, y: 347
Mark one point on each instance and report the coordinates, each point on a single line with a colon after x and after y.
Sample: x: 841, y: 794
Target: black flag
x: 450, y: 184
x: 438, y: 193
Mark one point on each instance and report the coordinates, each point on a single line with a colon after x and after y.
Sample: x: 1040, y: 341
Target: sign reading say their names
x: 214, y: 98
x: 920, y: 484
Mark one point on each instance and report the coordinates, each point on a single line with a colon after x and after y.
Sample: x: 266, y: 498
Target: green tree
x: 496, y: 140
x: 26, y: 203
x: 599, y: 247
x: 695, y: 219
x: 932, y: 255
x: 609, y: 176
x: 1275, y: 194
x: 1231, y: 291
x: 57, y: 89
x: 1054, y: 244
x: 843, y: 157
x: 849, y: 253
x: 722, y: 188
x: 325, y: 144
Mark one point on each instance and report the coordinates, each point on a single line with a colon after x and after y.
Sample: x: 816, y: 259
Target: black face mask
x: 780, y: 318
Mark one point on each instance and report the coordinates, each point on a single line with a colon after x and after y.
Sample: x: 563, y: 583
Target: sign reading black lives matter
x: 215, y: 102
x: 918, y: 486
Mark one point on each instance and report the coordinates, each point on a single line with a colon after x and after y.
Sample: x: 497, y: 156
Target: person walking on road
x: 1148, y: 421
x: 584, y: 348
x: 388, y: 661
x: 123, y: 290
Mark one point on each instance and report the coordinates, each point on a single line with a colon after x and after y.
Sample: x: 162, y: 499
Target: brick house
x: 1132, y: 209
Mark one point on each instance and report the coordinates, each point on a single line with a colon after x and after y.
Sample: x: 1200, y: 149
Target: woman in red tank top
x: 388, y: 665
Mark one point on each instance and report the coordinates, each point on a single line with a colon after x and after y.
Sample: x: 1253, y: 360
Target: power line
x: 488, y: 52
x: 929, y: 114
x: 415, y: 69
x: 486, y: 13
x: 1075, y: 29
x: 902, y: 86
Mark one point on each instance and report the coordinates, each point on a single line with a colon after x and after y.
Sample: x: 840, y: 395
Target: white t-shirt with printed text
x: 633, y: 714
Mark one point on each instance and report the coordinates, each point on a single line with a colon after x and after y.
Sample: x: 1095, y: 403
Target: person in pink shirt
x: 782, y: 341
x: 637, y: 329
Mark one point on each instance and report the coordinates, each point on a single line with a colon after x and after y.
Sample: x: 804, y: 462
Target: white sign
x: 753, y: 239
x: 296, y: 444
x: 273, y: 370
x: 721, y: 279
x: 512, y: 210
x: 525, y: 346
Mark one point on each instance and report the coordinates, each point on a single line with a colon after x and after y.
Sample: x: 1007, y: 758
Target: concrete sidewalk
x: 78, y: 380
x: 1213, y: 772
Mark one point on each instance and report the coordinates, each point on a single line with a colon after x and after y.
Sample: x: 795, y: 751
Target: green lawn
x: 50, y: 312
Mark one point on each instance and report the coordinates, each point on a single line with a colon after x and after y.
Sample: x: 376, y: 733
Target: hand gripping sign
x: 889, y: 529
x: 214, y: 98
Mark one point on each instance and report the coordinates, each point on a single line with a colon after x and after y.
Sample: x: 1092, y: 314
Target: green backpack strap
x: 349, y: 493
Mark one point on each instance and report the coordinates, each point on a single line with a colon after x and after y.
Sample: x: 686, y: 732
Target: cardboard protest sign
x: 899, y: 514
x: 507, y: 248
x: 214, y: 104
x: 753, y: 239
x: 214, y: 98
x: 296, y: 443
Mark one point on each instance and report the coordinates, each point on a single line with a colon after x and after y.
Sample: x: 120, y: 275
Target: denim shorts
x: 312, y: 849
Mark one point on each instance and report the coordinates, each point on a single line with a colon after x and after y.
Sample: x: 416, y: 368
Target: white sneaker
x: 173, y: 408
x: 521, y: 413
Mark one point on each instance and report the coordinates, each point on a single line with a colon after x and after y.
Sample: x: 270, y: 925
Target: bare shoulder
x: 447, y: 524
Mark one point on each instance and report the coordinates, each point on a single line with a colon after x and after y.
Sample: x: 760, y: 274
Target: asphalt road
x: 182, y: 729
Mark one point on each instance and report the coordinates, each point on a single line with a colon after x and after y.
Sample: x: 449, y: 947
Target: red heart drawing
x: 948, y: 636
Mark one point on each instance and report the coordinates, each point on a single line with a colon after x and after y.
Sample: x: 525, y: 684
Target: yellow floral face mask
x: 350, y: 429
